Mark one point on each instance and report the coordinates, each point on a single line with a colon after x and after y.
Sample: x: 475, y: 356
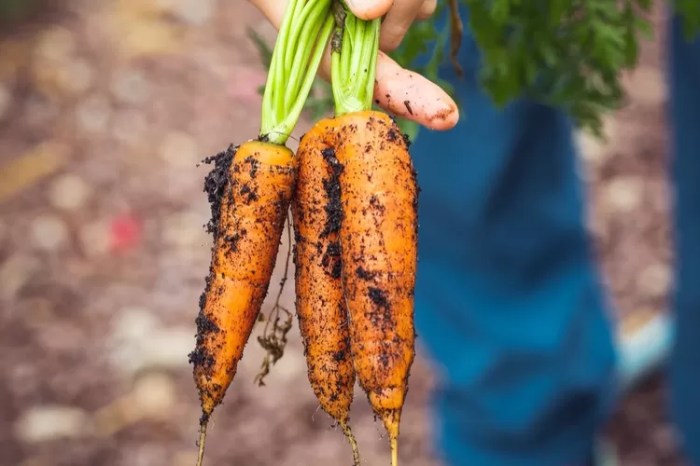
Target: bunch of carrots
x: 353, y: 196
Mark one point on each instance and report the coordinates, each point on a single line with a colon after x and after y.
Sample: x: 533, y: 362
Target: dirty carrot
x: 250, y: 189
x: 378, y: 244
x: 378, y: 233
x: 320, y: 304
x: 308, y: 34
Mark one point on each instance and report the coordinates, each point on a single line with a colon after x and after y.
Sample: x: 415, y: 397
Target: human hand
x: 399, y: 15
x: 397, y: 90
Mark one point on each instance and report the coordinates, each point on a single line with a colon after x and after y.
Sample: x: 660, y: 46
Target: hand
x: 397, y: 90
x: 400, y: 14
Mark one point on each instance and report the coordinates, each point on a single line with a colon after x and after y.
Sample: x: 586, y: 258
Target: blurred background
x: 106, y: 108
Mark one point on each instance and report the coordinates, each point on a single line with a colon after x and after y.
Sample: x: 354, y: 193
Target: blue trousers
x: 509, y: 302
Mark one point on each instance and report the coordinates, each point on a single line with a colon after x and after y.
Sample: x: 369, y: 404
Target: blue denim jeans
x: 685, y: 359
x: 509, y: 302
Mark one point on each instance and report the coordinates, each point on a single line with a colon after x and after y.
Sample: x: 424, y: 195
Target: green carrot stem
x: 354, y: 62
x: 305, y: 30
x: 348, y: 44
x: 317, y: 12
x: 358, y: 41
x: 270, y: 107
x: 291, y: 45
x: 309, y: 77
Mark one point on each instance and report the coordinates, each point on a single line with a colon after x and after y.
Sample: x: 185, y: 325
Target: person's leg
x: 685, y: 118
x: 508, y: 301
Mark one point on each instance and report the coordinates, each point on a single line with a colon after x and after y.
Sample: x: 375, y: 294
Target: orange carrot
x: 320, y: 304
x: 378, y: 234
x: 250, y: 190
x: 378, y: 239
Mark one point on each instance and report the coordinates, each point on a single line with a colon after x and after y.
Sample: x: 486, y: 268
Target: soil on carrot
x: 215, y: 184
x: 331, y: 260
x: 378, y: 297
x: 333, y: 207
x: 364, y: 274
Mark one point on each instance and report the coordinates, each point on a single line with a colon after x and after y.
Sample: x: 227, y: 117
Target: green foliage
x: 689, y: 10
x: 565, y: 53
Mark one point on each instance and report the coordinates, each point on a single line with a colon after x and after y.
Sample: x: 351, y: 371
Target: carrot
x: 320, y: 304
x: 250, y: 190
x: 257, y: 190
x: 379, y: 237
x: 378, y: 233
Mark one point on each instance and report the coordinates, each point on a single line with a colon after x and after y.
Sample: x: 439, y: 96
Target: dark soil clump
x: 392, y: 135
x: 215, y: 184
x: 378, y: 297
x: 333, y: 208
x: 205, y: 324
x: 201, y: 357
x: 331, y: 260
x: 364, y: 274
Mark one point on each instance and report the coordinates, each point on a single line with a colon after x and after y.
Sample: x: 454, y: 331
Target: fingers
x: 369, y: 9
x: 397, y: 22
x: 412, y: 96
x: 427, y: 9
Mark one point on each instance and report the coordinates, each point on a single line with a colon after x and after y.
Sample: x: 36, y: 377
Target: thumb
x: 369, y: 9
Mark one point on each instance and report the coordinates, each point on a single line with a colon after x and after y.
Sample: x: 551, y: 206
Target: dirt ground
x: 106, y: 107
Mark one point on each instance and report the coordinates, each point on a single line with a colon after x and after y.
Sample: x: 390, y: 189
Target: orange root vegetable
x: 378, y: 237
x: 320, y: 304
x: 378, y: 234
x: 250, y: 190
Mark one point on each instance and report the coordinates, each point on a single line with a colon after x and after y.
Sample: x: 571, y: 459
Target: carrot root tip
x: 201, y: 442
x: 353, y: 443
x: 394, y: 451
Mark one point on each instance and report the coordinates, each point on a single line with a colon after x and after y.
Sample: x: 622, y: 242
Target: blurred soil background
x: 106, y: 108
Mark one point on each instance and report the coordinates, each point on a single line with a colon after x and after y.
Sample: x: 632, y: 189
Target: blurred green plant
x: 565, y: 53
x: 689, y: 10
